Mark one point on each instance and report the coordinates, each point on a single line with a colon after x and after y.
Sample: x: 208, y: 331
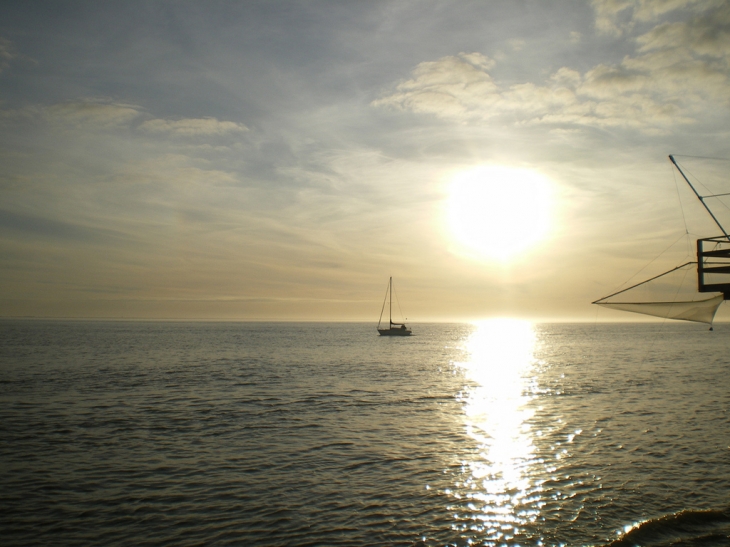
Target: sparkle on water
x: 499, y: 363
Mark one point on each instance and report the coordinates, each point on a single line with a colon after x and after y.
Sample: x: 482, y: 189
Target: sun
x: 497, y: 212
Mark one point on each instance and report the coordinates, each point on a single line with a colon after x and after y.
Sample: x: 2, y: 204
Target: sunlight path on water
x: 502, y: 497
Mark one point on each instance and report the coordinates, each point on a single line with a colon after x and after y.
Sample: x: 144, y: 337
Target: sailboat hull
x: 394, y: 332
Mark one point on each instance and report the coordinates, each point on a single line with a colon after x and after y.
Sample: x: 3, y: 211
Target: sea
x: 498, y: 433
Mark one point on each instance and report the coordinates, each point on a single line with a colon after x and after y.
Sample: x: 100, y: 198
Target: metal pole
x: 671, y: 157
x: 390, y: 307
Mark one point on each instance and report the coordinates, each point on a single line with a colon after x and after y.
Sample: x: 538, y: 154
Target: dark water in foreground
x: 122, y: 433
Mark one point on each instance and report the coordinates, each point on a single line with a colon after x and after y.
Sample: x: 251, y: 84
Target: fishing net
x: 671, y: 295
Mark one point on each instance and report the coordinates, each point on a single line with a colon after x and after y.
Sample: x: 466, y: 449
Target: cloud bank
x: 679, y: 70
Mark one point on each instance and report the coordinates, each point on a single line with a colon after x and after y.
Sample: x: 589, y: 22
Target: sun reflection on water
x: 496, y: 485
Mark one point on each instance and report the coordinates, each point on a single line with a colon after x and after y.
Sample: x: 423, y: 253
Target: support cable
x: 644, y: 268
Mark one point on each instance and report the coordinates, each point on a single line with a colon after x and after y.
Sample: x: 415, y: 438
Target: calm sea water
x: 503, y: 433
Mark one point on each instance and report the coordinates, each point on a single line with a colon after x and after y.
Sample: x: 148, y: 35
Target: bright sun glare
x: 497, y: 212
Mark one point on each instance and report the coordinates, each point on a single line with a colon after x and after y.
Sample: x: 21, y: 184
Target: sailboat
x: 394, y: 329
x: 712, y: 267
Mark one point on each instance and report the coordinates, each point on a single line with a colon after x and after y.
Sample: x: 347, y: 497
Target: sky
x: 280, y: 160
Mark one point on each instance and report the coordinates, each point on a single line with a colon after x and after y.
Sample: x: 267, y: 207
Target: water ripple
x: 269, y: 435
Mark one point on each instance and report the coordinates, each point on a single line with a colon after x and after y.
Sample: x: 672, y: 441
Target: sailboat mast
x: 702, y: 200
x: 390, y: 305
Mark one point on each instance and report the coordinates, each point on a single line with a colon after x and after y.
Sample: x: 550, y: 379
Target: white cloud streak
x: 91, y: 113
x: 190, y: 127
x: 106, y: 114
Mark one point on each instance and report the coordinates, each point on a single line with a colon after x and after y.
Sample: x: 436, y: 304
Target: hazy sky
x: 281, y: 159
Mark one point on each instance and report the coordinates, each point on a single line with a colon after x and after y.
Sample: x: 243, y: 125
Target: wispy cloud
x: 90, y: 113
x: 14, y: 223
x: 457, y: 87
x: 172, y: 171
x: 190, y: 127
x: 107, y: 113
x: 7, y: 53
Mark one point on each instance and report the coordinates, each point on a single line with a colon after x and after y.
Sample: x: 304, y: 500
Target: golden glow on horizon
x: 496, y: 212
